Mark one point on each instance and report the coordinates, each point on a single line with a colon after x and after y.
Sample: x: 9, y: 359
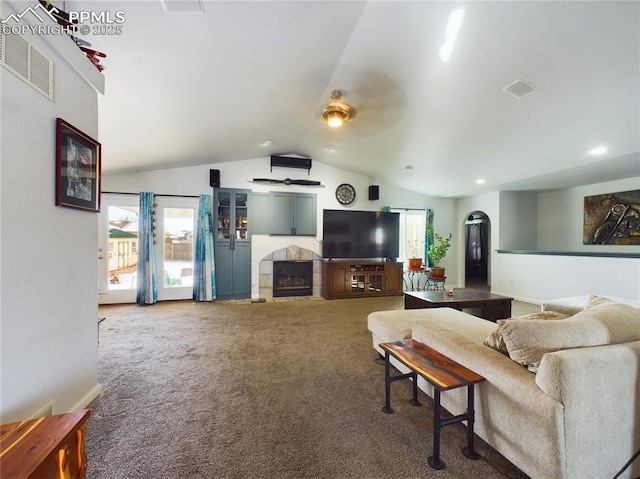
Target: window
x: 413, y: 231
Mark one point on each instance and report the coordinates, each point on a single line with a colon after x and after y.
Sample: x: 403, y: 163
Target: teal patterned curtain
x: 428, y: 239
x: 147, y: 283
x: 204, y: 276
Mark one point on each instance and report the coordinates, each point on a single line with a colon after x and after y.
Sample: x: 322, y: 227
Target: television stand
x: 361, y: 278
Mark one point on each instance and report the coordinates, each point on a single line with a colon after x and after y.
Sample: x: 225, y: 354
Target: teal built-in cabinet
x: 232, y: 243
x: 283, y: 214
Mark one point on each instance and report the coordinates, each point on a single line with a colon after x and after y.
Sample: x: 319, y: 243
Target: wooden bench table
x: 50, y: 447
x: 443, y: 374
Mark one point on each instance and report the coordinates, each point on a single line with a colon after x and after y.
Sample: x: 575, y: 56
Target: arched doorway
x: 477, y: 239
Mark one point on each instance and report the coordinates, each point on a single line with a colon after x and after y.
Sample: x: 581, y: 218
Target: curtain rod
x: 137, y: 194
x: 409, y: 209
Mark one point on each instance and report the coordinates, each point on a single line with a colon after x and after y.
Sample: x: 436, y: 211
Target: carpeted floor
x: 289, y: 389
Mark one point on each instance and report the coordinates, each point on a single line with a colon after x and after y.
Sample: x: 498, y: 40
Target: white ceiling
x: 187, y: 89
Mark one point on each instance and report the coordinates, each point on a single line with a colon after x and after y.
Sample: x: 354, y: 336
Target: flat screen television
x: 360, y: 234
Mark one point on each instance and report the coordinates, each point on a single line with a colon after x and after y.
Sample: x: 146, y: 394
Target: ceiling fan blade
x: 267, y: 180
x: 305, y: 182
x: 288, y: 181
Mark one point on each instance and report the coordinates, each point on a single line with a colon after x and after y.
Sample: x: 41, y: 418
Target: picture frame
x: 78, y: 168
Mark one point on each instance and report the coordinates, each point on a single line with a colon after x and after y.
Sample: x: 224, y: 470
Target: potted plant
x: 415, y: 249
x: 437, y: 252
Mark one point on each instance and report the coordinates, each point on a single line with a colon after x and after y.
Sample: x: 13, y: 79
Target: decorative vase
x: 436, y: 272
x: 415, y: 264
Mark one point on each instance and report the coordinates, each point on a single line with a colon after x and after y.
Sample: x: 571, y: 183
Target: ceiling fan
x: 288, y: 181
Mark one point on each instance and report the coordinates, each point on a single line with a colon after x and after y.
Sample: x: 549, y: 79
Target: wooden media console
x: 357, y: 279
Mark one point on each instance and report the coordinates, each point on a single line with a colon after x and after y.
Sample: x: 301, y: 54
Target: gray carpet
x: 287, y: 389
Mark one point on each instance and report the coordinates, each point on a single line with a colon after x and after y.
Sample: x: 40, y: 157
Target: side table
x: 411, y: 278
x: 435, y: 283
x: 443, y: 374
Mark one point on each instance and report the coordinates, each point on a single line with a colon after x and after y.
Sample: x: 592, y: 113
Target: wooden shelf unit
x: 357, y: 279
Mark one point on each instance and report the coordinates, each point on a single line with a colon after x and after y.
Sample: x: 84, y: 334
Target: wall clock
x: 345, y: 194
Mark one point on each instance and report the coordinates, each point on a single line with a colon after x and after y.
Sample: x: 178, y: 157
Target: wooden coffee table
x: 492, y: 306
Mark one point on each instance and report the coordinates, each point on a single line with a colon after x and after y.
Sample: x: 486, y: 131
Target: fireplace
x: 291, y: 254
x: 292, y: 278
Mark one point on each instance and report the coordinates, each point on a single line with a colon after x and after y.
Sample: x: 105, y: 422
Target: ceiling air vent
x: 21, y: 58
x: 519, y: 89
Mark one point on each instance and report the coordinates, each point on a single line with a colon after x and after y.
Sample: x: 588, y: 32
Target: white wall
x: 48, y: 293
x: 519, y: 211
x: 194, y: 180
x: 536, y: 278
x: 560, y: 217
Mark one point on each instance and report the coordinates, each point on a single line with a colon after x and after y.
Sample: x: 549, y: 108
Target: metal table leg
x: 387, y: 384
x: 468, y: 451
x: 435, y: 461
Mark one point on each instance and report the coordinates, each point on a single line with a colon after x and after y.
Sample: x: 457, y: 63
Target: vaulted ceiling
x: 208, y: 87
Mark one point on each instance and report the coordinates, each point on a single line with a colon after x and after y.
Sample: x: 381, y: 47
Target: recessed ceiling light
x: 598, y: 150
x: 480, y: 181
x: 266, y: 143
x: 408, y: 167
x: 329, y: 148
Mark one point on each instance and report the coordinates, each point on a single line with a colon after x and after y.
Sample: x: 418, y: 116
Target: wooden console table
x: 443, y: 374
x: 49, y: 447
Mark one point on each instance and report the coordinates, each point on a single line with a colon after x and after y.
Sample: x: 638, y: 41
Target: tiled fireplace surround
x: 290, y: 253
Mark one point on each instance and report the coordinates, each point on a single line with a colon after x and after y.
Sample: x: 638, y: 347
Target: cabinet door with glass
x: 231, y: 213
x: 232, y: 243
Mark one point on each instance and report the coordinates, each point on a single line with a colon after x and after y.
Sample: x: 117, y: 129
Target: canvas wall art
x: 612, y: 219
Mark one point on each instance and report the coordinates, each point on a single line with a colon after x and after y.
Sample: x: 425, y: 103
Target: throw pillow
x: 603, y: 322
x: 496, y: 341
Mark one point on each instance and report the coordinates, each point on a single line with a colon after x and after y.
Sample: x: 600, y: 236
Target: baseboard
x: 45, y: 410
x: 86, y: 400
x: 518, y: 298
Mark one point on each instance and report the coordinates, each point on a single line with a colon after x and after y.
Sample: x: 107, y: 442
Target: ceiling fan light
x: 336, y: 113
x: 335, y: 119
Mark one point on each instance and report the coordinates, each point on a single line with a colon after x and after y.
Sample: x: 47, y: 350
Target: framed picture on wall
x: 78, y: 162
x: 612, y: 218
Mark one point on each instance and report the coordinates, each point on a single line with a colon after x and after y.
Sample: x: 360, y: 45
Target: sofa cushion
x: 398, y: 324
x: 601, y: 322
x: 390, y: 325
x: 574, y: 304
x: 496, y: 341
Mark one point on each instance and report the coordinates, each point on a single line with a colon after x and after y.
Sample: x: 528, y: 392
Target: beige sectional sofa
x: 578, y: 416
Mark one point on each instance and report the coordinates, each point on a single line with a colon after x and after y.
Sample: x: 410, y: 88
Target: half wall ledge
x: 569, y: 253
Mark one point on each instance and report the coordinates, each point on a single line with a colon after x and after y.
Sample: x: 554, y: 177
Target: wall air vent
x: 19, y: 57
x: 519, y: 89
